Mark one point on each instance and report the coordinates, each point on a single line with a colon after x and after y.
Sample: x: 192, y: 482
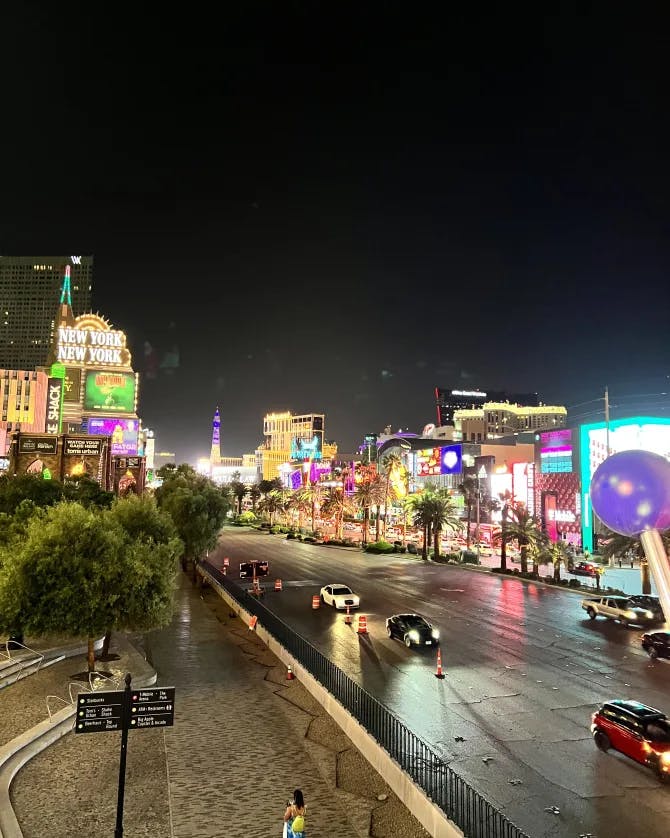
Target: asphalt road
x: 524, y: 668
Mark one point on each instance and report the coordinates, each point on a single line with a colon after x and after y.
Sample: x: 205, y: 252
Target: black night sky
x: 331, y: 209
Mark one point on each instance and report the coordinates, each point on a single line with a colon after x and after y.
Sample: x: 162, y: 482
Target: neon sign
x: 91, y: 342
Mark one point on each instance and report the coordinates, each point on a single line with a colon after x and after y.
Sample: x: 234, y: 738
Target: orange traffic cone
x: 252, y: 623
x: 226, y: 562
x: 439, y: 673
x: 347, y: 619
x: 277, y: 584
x: 316, y: 601
x: 289, y: 674
x: 362, y: 624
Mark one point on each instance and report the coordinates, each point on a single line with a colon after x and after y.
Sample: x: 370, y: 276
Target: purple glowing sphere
x: 630, y: 492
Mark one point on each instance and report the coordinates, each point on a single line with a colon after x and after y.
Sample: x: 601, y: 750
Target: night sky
x: 328, y: 209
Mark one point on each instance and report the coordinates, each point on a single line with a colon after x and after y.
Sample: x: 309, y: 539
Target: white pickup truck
x: 617, y: 608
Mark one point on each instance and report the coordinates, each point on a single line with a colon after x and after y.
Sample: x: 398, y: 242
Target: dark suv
x: 636, y: 730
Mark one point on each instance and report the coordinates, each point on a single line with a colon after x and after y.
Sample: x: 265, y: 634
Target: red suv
x: 636, y: 730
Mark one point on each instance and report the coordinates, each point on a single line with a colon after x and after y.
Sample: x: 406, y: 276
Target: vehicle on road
x: 339, y: 596
x: 634, y: 729
x: 617, y: 608
x: 484, y: 549
x: 412, y: 629
x: 584, y: 569
x: 651, y: 603
x: 248, y: 568
x: 656, y: 644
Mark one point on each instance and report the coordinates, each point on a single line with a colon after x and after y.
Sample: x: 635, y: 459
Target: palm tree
x: 469, y: 489
x: 443, y: 515
x: 389, y: 464
x: 523, y: 528
x: 422, y: 516
x: 558, y: 553
x: 311, y: 494
x: 238, y: 490
x: 300, y: 504
x: 272, y: 503
x: 335, y: 505
x: 254, y: 494
x: 505, y: 499
x: 367, y: 494
x: 617, y: 545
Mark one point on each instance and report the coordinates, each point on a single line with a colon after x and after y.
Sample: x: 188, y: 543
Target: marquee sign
x: 91, y: 342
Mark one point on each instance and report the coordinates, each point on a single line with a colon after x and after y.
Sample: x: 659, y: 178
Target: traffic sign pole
x: 125, y: 716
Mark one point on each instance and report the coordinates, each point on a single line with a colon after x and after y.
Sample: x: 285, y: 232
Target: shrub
x: 411, y: 548
x: 290, y: 535
x: 378, y: 547
x: 574, y: 583
x: 469, y: 557
x: 308, y: 539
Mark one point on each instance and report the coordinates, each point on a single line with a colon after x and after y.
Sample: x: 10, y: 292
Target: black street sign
x: 99, y: 711
x: 152, y: 707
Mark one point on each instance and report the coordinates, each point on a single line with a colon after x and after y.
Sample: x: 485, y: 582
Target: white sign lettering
x: 92, y: 346
x: 76, y: 260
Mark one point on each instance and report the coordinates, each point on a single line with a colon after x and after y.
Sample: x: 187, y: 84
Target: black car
x: 656, y: 644
x: 254, y: 568
x: 651, y: 603
x: 412, y: 629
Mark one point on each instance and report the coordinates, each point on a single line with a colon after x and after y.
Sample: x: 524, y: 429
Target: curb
x: 49, y: 656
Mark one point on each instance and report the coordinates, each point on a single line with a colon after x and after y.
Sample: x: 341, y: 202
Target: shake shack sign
x: 37, y: 445
x: 54, y: 394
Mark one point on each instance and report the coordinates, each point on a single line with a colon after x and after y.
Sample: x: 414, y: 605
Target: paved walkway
x: 244, y: 738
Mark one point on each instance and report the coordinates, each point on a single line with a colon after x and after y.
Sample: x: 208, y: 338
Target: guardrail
x: 469, y: 810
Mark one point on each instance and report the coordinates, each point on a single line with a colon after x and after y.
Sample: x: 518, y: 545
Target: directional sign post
x: 124, y: 710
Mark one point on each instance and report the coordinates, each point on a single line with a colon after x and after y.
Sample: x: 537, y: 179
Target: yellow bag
x: 298, y: 824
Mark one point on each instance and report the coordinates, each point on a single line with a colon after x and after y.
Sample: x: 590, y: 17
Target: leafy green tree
x: 558, y: 555
x: 67, y: 576
x: 198, y: 509
x: 524, y: 529
x: 389, y: 463
x: 14, y: 490
x: 422, y: 516
x: 505, y: 500
x: 300, y: 503
x: 87, y: 492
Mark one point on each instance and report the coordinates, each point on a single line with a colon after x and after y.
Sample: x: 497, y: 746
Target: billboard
x: 307, y: 448
x: 82, y: 447
x: 110, y: 392
x: 556, y: 452
x: 72, y: 384
x: 638, y: 433
x: 444, y: 460
x: 37, y: 445
x: 124, y: 433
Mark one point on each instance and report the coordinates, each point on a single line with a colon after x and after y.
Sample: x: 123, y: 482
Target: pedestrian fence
x: 464, y: 806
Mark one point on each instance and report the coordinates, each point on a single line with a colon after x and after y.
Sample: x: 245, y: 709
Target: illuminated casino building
x: 448, y: 401
x: 91, y: 402
x: 294, y: 447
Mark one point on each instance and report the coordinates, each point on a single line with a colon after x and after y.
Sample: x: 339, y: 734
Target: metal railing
x: 468, y: 809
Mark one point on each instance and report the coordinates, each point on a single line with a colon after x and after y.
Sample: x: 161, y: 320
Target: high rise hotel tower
x: 28, y: 287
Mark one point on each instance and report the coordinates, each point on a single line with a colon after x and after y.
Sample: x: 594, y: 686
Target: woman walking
x: 294, y: 816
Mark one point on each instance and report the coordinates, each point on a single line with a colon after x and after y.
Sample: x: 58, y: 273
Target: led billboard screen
x: 123, y: 432
x: 307, y: 448
x: 556, y: 452
x: 444, y: 460
x: 110, y: 392
x: 645, y: 433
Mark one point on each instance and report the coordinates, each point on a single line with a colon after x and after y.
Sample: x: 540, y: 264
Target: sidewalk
x: 244, y: 738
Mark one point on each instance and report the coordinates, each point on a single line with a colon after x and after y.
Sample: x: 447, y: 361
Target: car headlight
x: 414, y: 635
x: 629, y: 614
x: 435, y: 634
x: 665, y: 757
x: 649, y: 614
